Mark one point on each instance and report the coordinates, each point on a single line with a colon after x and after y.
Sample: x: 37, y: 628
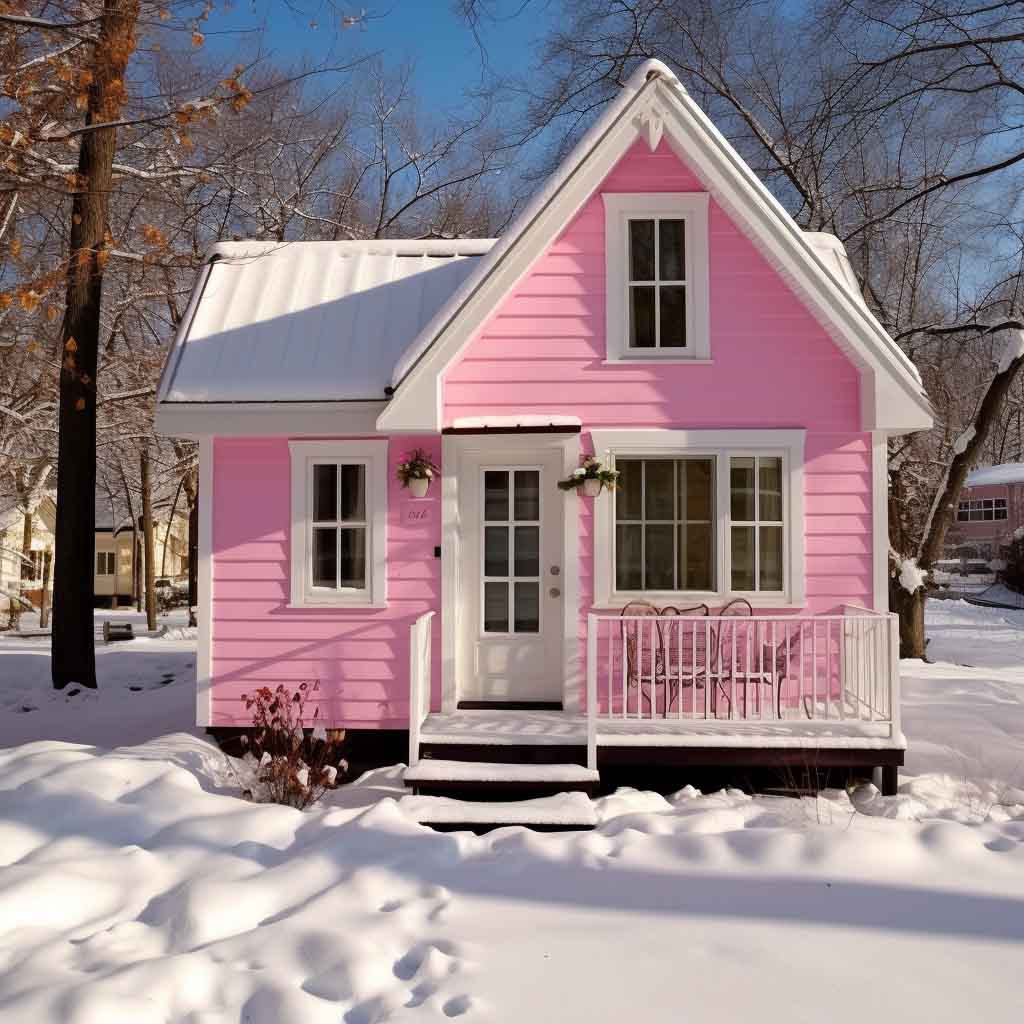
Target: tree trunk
x: 26, y: 568
x: 73, y: 648
x: 910, y: 609
x: 44, y: 600
x: 193, y: 559
x: 147, y: 533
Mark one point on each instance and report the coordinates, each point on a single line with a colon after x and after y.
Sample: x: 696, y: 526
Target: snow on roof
x: 1007, y: 473
x: 310, y: 321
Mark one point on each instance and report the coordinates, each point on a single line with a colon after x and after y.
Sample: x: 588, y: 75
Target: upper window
x: 978, y: 510
x: 339, y: 494
x: 657, y: 264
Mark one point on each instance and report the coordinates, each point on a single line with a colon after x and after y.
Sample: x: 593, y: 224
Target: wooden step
x: 498, y: 780
x: 564, y: 812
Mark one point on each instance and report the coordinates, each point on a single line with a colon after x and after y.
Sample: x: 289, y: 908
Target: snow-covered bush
x: 291, y: 766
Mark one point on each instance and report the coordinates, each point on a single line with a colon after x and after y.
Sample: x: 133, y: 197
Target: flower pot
x: 419, y: 485
x: 592, y: 487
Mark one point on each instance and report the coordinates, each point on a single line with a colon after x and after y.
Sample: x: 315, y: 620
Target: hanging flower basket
x: 590, y: 478
x: 415, y: 472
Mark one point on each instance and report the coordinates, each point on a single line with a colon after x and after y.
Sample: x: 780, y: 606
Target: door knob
x: 556, y: 570
x: 555, y: 592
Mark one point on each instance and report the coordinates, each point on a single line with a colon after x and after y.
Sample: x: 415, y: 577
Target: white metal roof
x: 310, y: 321
x: 1006, y: 473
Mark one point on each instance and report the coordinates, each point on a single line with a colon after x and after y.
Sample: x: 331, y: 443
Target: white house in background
x: 12, y: 527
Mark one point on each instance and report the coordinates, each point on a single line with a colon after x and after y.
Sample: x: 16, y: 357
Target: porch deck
x: 558, y: 728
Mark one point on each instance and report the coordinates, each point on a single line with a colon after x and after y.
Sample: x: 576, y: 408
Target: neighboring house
x: 653, y: 304
x: 12, y: 533
x: 990, y: 511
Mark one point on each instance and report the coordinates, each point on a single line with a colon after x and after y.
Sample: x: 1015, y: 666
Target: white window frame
x: 374, y: 456
x: 722, y: 445
x: 983, y: 505
x: 109, y: 558
x: 619, y: 209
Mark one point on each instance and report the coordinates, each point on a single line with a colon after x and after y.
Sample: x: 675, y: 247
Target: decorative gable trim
x: 654, y: 106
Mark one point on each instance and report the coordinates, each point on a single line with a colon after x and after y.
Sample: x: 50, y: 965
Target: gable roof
x: 652, y: 105
x: 309, y: 321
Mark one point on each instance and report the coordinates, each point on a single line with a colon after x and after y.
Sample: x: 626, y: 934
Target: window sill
x: 775, y: 602
x: 335, y: 605
x: 655, y: 360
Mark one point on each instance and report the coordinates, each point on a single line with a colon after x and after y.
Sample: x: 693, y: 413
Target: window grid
x: 977, y: 510
x: 756, y: 523
x: 679, y: 523
x: 106, y: 564
x: 338, y: 524
x: 657, y: 281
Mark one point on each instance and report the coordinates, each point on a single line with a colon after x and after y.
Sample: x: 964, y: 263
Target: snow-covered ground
x: 137, y: 887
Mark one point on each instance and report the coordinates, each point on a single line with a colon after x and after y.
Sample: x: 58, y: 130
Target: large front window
x: 755, y: 523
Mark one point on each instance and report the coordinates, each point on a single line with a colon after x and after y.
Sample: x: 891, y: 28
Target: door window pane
x: 325, y: 557
x: 628, y: 564
x: 527, y: 494
x: 641, y: 317
x: 353, y: 493
x: 496, y: 494
x: 641, y: 250
x: 496, y: 551
x: 770, y: 484
x: 742, y: 558
x: 630, y: 490
x: 671, y: 250
x: 325, y: 493
x: 496, y: 607
x: 741, y: 489
x: 659, y: 489
x: 770, y: 555
x: 673, y: 316
x: 527, y: 552
x: 527, y: 608
x: 659, y: 557
x: 352, y: 558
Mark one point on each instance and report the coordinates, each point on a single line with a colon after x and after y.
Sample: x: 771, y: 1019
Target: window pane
x: 698, y: 557
x: 325, y: 494
x: 495, y: 607
x: 770, y: 482
x: 325, y: 557
x: 742, y: 558
x: 527, y: 614
x: 496, y: 494
x: 527, y: 554
x: 527, y: 494
x: 641, y: 317
x: 699, y: 477
x: 671, y: 252
x: 641, y: 250
x: 629, y: 492
x: 741, y: 487
x: 673, y: 317
x: 353, y: 558
x: 659, y: 489
x: 496, y: 551
x: 771, y: 558
x: 659, y: 558
x: 353, y: 494
x: 628, y: 571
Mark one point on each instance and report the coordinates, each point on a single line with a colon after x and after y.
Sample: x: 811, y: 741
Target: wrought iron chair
x: 644, y: 653
x: 685, y: 648
x: 727, y: 655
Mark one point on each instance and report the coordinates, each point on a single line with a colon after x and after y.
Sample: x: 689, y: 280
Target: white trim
x: 691, y: 207
x: 722, y: 444
x: 455, y: 449
x: 204, y: 588
x: 892, y: 395
x: 880, y: 520
x: 374, y: 455
x: 264, y: 419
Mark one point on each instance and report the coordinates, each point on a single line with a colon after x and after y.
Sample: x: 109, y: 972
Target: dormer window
x: 657, y: 264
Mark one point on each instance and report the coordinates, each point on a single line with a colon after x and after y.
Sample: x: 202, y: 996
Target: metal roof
x: 310, y: 321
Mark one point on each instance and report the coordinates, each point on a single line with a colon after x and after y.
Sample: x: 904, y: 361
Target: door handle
x: 555, y: 592
x: 556, y: 570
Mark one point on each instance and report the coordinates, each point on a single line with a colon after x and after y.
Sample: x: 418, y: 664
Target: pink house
x: 990, y: 512
x: 654, y: 306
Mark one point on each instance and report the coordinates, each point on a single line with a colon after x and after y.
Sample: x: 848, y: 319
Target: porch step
x: 563, y: 812
x: 498, y: 779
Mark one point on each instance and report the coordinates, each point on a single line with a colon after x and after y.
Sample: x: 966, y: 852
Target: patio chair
x: 685, y: 652
x: 728, y: 658
x: 644, y: 653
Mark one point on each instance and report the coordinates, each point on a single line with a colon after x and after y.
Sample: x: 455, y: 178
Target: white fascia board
x: 266, y: 419
x: 181, y: 335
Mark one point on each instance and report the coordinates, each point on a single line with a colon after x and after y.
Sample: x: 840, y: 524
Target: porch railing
x: 738, y: 671
x: 419, y: 681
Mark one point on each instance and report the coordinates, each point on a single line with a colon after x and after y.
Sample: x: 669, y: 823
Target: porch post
x: 592, y: 691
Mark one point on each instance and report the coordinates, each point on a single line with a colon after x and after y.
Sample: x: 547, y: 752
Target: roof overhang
x: 263, y: 419
x: 652, y: 106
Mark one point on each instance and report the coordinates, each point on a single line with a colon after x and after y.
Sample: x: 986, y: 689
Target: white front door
x: 511, y: 513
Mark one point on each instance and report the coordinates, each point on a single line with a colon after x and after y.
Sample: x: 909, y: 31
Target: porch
x: 751, y: 691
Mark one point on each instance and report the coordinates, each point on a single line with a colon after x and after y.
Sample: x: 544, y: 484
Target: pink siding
x: 772, y: 366
x: 361, y: 658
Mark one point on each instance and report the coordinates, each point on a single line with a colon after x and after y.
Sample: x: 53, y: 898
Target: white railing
x: 419, y: 681
x: 738, y: 670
